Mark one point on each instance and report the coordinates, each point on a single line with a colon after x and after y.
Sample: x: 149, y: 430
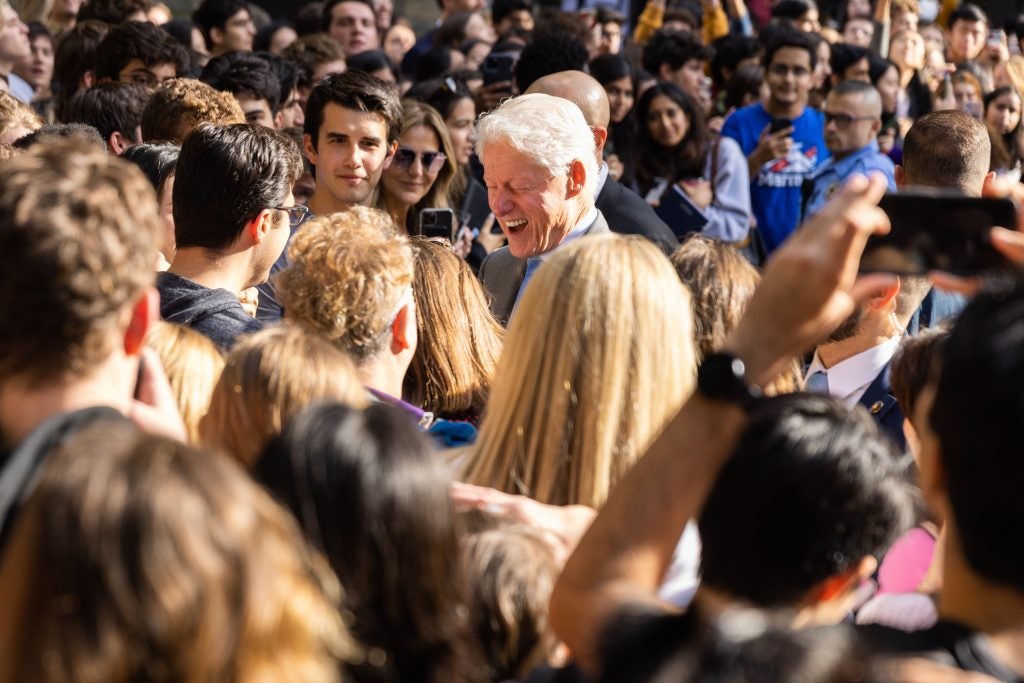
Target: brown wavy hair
x: 459, y: 340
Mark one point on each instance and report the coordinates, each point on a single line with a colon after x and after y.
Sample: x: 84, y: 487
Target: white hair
x: 549, y: 130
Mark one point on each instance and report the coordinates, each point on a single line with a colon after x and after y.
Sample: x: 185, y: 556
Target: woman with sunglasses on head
x: 421, y: 172
x: 677, y: 159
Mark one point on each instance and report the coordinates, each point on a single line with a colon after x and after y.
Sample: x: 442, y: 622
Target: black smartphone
x: 779, y: 124
x: 438, y: 223
x: 498, y: 68
x: 939, y: 231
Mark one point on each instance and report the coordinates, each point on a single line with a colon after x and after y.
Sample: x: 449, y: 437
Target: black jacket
x: 628, y: 214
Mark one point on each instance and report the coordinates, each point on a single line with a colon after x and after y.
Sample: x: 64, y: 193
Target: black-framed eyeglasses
x: 432, y: 161
x: 296, y: 214
x: 843, y: 121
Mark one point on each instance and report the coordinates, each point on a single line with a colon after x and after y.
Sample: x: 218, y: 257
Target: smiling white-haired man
x: 540, y: 170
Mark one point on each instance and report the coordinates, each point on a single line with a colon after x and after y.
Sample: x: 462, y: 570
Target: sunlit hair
x: 348, y: 275
x: 549, y: 130
x: 459, y: 340
x: 269, y: 377
x: 155, y: 561
x: 15, y: 115
x: 510, y: 571
x: 599, y: 356
x: 437, y: 197
x: 193, y: 365
x: 179, y: 105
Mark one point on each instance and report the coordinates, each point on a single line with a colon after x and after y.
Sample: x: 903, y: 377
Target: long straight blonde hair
x: 598, y: 357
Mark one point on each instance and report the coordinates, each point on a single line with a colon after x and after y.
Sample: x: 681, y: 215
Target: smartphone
x: 653, y: 196
x: 498, y: 68
x: 939, y: 231
x: 438, y: 223
x: 779, y: 124
x: 996, y: 37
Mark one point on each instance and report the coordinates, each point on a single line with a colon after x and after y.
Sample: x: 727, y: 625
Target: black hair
x: 261, y: 43
x: 225, y: 176
x: 213, y: 14
x: 787, y: 37
x: 979, y: 405
x: 138, y: 40
x: 325, y: 15
x: 37, y: 29
x: 792, y: 10
x: 452, y: 32
x: 811, y: 488
x: 440, y: 93
x: 372, y: 496
x: 243, y: 73
x: 356, y: 90
x: 843, y: 56
x: 966, y: 12
x: 288, y: 72
x: 747, y: 80
x: 547, y: 55
x: 502, y: 8
x: 730, y: 50
x: 181, y: 30
x: 434, y: 63
x: 674, y: 48
x: 110, y: 108
x: 688, y: 158
x: 111, y: 12
x: 878, y: 67
x: 156, y: 160
x: 75, y: 55
x: 52, y: 131
x: 309, y: 18
x: 1010, y: 144
x: 371, y: 61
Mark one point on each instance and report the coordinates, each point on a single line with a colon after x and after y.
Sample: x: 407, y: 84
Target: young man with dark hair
x: 114, y: 12
x: 114, y: 109
x: 353, y: 121
x: 680, y: 58
x: 141, y: 54
x: 250, y: 79
x: 233, y: 205
x: 549, y: 54
x: 317, y: 56
x: 512, y: 15
x: 227, y: 25
x: 783, y: 137
x: 353, y: 24
x: 968, y: 29
x: 291, y: 112
x: 74, y: 61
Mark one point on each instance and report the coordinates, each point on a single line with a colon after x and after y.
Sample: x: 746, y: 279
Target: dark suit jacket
x: 628, y: 214
x: 882, y: 405
x: 501, y: 274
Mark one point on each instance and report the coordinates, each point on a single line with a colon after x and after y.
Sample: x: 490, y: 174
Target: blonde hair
x: 1015, y: 72
x: 599, y: 356
x: 14, y: 114
x: 459, y: 340
x: 438, y: 195
x: 193, y: 365
x: 348, y: 274
x: 158, y: 561
x: 268, y: 378
x: 179, y: 105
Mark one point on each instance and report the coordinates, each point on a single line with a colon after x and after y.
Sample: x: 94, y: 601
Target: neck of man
x: 24, y: 406
x: 876, y: 327
x: 783, y: 110
x: 215, y: 269
x: 383, y: 374
x: 995, y: 610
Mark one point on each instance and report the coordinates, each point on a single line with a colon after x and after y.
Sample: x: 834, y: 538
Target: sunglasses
x: 296, y: 213
x: 843, y: 121
x: 432, y: 161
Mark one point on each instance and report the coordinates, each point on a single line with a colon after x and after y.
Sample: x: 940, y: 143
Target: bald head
x: 582, y: 90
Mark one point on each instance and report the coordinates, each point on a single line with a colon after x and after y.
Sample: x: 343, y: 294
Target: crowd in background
x: 534, y: 346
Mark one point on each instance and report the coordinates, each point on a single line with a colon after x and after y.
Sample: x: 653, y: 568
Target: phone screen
x: 933, y: 231
x: 779, y: 124
x: 498, y: 68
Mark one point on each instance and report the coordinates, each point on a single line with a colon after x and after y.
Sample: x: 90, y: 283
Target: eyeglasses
x: 296, y: 214
x: 843, y: 121
x: 432, y: 161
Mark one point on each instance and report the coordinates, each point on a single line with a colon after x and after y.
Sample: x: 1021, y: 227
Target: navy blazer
x: 628, y: 214
x: 881, y: 404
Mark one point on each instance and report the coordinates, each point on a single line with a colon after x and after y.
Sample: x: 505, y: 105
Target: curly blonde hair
x: 179, y: 105
x: 347, y: 277
x: 268, y: 378
x: 16, y: 118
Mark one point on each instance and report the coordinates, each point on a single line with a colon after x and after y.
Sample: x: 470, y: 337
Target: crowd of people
x: 539, y: 345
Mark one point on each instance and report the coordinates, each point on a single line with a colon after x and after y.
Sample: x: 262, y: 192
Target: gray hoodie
x: 216, y: 313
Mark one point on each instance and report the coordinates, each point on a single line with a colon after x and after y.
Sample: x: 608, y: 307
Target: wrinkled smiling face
x: 529, y: 202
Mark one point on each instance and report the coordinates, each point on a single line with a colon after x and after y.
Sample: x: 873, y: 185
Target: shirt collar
x: 602, y: 178
x: 843, y: 166
x: 847, y: 376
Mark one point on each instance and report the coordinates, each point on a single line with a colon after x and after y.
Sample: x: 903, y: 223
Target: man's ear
x: 308, y: 148
x: 216, y: 37
x: 391, y: 155
x: 278, y: 120
x: 600, y: 138
x: 899, y: 177
x: 577, y: 179
x: 403, y: 328
x: 88, y: 79
x: 986, y: 184
x: 259, y: 226
x: 665, y: 72
x: 885, y: 296
x: 145, y: 312
x: 841, y: 585
x: 876, y: 126
x: 117, y: 143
